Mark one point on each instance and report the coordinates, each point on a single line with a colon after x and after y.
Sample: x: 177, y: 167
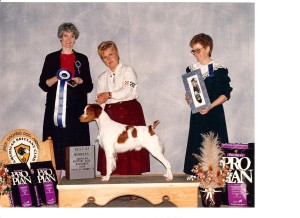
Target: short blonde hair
x: 105, y: 45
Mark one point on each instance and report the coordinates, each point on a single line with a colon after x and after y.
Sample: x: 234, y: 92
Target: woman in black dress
x: 61, y: 120
x: 217, y: 81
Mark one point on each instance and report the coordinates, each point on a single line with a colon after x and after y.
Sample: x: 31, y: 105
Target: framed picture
x: 196, y: 89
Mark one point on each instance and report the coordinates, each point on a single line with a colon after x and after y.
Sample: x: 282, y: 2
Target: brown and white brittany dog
x: 116, y: 138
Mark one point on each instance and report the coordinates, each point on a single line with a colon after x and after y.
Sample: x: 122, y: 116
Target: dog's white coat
x: 109, y: 131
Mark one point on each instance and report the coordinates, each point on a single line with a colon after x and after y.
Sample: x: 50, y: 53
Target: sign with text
x: 239, y: 189
x: 80, y: 162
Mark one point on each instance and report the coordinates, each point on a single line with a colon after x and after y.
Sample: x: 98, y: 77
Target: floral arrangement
x: 5, y: 180
x: 211, y: 171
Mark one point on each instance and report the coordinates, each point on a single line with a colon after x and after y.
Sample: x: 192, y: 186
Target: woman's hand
x: 204, y: 111
x: 220, y: 100
x: 187, y: 98
x: 102, y: 97
x: 77, y: 81
x: 50, y: 82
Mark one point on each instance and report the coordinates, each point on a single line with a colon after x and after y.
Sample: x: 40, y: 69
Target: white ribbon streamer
x: 209, y: 194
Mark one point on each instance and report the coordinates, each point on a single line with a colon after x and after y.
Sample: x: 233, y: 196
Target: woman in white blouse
x: 117, y: 89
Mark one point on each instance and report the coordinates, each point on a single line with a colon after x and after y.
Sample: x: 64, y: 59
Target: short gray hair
x: 67, y: 27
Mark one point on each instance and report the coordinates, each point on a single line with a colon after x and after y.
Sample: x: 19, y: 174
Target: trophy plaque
x: 80, y: 162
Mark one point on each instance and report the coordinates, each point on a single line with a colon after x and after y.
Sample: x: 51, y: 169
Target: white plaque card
x: 80, y: 162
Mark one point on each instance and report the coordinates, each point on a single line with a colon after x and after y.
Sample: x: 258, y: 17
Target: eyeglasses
x: 197, y: 51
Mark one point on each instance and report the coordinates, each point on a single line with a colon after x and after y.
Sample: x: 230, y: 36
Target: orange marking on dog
x: 128, y: 127
x: 134, y: 133
x: 122, y: 137
x: 97, y: 110
x: 155, y: 123
x: 152, y: 127
x: 93, y: 111
x: 151, y: 132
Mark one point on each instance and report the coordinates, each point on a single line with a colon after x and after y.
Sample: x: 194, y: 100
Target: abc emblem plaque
x: 80, y: 162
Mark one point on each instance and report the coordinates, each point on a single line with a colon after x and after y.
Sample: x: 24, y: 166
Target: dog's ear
x: 97, y: 110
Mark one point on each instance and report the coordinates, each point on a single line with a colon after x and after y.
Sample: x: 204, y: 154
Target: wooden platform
x: 153, y: 188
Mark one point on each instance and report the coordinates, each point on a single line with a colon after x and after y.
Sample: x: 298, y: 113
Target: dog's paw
x: 105, y: 178
x: 169, y: 176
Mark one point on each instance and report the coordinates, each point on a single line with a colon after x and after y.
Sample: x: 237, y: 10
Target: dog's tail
x: 155, y: 123
x: 153, y: 126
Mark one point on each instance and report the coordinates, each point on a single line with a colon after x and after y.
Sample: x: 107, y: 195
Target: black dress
x: 75, y: 133
x: 216, y: 84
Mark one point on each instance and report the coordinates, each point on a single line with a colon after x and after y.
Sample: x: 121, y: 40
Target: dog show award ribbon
x: 211, y: 72
x: 59, y: 117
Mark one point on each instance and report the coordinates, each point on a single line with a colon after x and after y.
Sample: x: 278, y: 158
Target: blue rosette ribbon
x: 59, y: 117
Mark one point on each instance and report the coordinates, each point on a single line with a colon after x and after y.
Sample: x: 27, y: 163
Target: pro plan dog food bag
x: 239, y: 189
x: 22, y: 194
x: 45, y: 180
